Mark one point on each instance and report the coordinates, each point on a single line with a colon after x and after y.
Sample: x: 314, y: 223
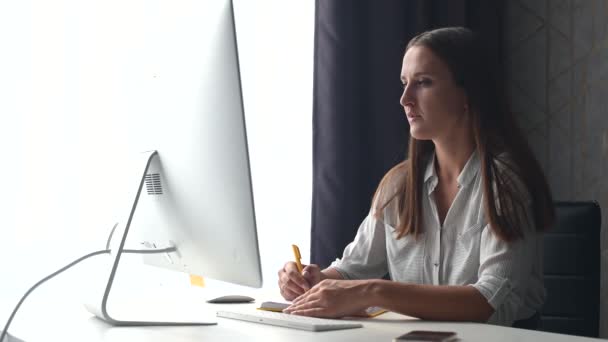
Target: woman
x: 457, y: 225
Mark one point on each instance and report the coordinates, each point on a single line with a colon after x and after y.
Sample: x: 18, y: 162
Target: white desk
x: 45, y: 319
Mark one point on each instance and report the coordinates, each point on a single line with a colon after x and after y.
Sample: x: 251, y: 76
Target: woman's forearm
x: 331, y: 273
x: 431, y: 302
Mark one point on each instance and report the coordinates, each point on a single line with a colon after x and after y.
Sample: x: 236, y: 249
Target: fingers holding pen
x: 297, y: 278
x: 312, y: 274
x: 288, y: 294
x: 291, y: 283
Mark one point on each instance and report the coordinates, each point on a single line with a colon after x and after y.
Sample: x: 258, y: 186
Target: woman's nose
x: 406, y: 97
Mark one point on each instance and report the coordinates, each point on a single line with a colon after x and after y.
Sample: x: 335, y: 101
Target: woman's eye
x: 421, y: 82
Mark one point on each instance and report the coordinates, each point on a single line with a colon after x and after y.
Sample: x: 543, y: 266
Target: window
x: 59, y: 169
x: 276, y: 49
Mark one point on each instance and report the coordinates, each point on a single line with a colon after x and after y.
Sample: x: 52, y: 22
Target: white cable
x: 105, y: 251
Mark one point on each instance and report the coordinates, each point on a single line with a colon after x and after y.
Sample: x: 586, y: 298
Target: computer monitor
x: 194, y: 191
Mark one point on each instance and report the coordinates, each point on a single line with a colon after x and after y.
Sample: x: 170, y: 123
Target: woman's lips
x: 412, y: 117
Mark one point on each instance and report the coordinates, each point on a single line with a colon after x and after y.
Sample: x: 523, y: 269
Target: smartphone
x: 426, y: 336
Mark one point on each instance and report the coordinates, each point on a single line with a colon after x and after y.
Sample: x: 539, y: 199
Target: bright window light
x: 57, y: 123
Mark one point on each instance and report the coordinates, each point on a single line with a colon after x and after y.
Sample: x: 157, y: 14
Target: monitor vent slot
x: 153, y: 184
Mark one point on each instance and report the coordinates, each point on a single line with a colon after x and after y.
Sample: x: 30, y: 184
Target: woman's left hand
x: 333, y: 298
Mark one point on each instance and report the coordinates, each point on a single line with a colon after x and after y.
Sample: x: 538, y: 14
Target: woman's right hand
x: 293, y: 284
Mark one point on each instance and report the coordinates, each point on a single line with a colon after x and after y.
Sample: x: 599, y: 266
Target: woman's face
x: 435, y: 106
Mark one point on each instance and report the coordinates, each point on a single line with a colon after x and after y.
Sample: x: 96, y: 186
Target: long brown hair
x: 506, y: 160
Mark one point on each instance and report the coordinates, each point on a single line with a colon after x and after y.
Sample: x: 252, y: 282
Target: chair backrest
x: 572, y: 270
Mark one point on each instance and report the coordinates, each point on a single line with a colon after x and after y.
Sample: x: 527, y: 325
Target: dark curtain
x: 359, y: 128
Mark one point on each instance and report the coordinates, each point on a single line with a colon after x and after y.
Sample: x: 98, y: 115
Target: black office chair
x: 572, y: 270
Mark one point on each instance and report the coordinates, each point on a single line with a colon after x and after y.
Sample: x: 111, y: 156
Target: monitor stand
x: 10, y: 338
x: 99, y: 307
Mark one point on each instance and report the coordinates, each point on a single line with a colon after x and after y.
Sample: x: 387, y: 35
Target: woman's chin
x: 419, y: 134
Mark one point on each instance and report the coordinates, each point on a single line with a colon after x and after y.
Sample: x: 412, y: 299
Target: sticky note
x: 374, y: 311
x: 197, y: 280
x: 273, y: 306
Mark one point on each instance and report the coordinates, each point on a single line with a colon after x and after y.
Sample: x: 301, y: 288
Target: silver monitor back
x: 198, y: 193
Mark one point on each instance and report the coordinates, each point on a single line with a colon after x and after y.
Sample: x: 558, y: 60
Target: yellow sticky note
x: 273, y: 306
x: 197, y: 280
x: 374, y: 311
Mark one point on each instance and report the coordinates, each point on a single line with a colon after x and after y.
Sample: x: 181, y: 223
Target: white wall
x: 56, y: 140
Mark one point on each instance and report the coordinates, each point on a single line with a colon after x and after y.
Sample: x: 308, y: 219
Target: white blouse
x: 464, y: 251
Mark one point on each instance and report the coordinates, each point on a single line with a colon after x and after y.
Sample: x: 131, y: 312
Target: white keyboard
x: 289, y: 321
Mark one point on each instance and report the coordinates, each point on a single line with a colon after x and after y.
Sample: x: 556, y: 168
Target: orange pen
x: 296, y: 254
